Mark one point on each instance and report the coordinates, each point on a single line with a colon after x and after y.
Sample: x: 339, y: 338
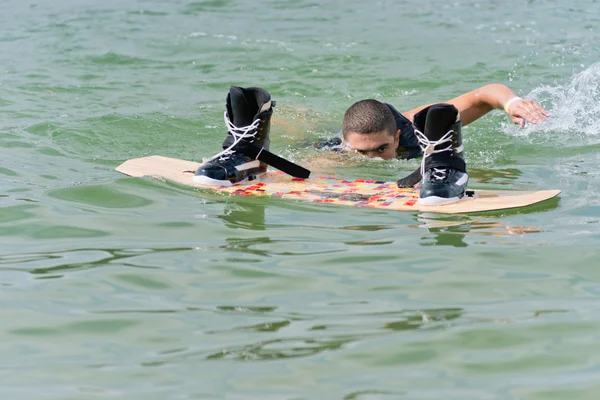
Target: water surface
x: 113, y: 287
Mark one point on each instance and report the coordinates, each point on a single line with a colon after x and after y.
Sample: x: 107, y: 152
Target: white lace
x: 428, y: 148
x: 238, y: 134
x: 439, y: 173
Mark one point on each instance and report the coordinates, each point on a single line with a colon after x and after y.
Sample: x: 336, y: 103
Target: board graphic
x: 321, y: 189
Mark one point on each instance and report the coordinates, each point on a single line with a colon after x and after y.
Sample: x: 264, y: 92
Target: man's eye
x: 382, y: 149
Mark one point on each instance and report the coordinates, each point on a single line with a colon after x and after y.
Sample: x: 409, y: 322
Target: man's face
x: 380, y: 144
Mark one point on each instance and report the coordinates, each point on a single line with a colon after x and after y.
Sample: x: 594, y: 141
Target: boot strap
x: 259, y: 153
x: 410, y: 180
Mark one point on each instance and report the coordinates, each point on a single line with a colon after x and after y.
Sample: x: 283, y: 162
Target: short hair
x: 369, y: 116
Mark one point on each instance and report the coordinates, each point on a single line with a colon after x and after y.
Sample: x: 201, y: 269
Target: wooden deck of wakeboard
x: 358, y: 193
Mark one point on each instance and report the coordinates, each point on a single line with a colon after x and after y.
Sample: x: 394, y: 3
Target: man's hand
x: 521, y: 110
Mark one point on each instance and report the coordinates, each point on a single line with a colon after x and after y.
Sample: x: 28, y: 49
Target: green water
x: 114, y: 287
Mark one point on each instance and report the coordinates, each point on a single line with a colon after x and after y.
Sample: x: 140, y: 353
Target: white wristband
x: 509, y: 102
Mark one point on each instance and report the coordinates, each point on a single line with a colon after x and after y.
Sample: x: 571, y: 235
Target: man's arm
x: 477, y: 103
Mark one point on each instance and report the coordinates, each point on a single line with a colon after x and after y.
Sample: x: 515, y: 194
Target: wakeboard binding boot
x: 248, y: 120
x: 443, y: 168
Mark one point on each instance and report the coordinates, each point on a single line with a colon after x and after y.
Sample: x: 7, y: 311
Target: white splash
x: 574, y: 107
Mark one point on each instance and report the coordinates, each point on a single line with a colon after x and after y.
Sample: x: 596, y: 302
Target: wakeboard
x: 322, y: 189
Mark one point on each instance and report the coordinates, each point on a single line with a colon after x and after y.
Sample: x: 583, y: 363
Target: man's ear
x: 397, y: 137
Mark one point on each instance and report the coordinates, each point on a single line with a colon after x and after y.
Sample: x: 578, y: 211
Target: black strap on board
x: 258, y: 153
x: 410, y: 180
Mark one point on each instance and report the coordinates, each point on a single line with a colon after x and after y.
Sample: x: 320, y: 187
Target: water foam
x: 574, y: 107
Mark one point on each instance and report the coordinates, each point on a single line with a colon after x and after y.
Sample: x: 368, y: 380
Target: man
x: 471, y: 106
x: 373, y: 129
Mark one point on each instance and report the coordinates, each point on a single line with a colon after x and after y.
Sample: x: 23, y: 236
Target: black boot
x: 248, y: 120
x: 444, y: 170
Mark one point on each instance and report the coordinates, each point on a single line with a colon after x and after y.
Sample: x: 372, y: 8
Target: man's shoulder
x: 398, y: 116
x: 334, y: 143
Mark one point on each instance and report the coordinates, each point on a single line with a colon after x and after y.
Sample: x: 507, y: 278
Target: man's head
x: 369, y: 128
